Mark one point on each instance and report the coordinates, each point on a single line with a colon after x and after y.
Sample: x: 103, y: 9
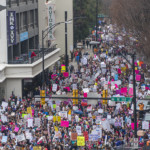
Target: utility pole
x: 96, y: 17
x: 66, y: 43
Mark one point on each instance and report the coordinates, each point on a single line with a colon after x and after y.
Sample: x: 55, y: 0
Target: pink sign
x: 131, y: 91
x: 66, y: 74
x: 64, y: 123
x: 119, y: 71
x: 16, y: 129
x: 3, y: 128
x: 132, y: 126
x: 123, y: 90
x: 85, y: 94
x: 146, y: 88
x: 138, y: 77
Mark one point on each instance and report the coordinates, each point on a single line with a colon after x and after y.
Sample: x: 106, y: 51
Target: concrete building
x: 59, y: 8
x: 19, y: 37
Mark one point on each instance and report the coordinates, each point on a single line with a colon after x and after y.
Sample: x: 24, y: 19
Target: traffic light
x: 105, y: 94
x: 75, y: 94
x: 42, y: 94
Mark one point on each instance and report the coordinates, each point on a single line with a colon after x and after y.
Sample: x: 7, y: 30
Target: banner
x: 51, y: 21
x: 80, y: 141
x: 12, y: 27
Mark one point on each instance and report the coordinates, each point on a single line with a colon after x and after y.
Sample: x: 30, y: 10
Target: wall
x: 61, y: 7
x: 3, y: 34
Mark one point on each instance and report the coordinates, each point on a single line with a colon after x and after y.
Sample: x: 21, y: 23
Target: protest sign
x: 54, y: 88
x: 29, y: 111
x: 93, y: 137
x: 30, y: 123
x: 37, y: 122
x: 65, y: 74
x: 64, y: 123
x: 57, y: 134
x: 78, y: 130
x: 100, y: 111
x: 20, y: 138
x: 145, y: 125
x: 37, y: 148
x: 4, y: 139
x: 85, y: 133
x: 16, y: 129
x: 63, y: 114
x: 28, y: 135
x: 4, y: 105
x: 80, y: 141
x: 73, y: 136
x: 138, y: 77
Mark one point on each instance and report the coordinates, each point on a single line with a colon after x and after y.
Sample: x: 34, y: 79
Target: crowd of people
x: 74, y: 124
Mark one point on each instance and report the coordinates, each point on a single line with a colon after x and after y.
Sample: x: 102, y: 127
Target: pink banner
x: 138, y: 77
x: 64, y: 123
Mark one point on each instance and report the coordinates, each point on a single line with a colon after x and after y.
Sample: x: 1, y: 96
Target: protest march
x: 80, y: 124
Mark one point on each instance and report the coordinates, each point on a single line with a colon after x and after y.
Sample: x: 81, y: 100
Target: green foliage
x: 84, y: 8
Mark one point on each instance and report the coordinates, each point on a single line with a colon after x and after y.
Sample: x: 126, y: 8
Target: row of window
x: 18, y: 2
x: 27, y: 19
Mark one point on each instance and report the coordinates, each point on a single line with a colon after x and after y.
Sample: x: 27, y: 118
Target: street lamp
x: 47, y: 30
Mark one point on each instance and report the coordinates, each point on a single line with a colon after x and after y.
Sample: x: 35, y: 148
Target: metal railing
x: 25, y: 59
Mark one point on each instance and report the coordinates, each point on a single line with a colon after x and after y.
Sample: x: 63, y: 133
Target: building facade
x: 59, y: 8
x: 19, y: 37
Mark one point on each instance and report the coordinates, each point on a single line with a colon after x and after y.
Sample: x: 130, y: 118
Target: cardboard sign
x: 37, y: 148
x: 73, y: 136
x: 80, y: 141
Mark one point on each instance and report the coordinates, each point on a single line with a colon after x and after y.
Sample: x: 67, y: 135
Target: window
x: 36, y: 17
x: 17, y: 22
x: 13, y: 2
x: 31, y: 18
x: 23, y: 1
x: 24, y: 21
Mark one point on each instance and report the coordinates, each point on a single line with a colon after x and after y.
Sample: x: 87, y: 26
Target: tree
x: 86, y: 8
x: 134, y: 16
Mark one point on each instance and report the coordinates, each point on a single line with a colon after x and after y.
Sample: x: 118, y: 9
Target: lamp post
x: 47, y: 30
x: 96, y: 17
x: 66, y: 43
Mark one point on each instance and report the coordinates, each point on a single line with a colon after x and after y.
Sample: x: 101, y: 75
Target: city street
x: 74, y: 75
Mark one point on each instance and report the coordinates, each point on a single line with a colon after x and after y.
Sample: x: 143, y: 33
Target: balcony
x: 25, y: 59
x: 31, y: 69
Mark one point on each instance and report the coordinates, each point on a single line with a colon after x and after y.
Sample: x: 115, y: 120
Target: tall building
x: 52, y: 12
x: 19, y: 40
